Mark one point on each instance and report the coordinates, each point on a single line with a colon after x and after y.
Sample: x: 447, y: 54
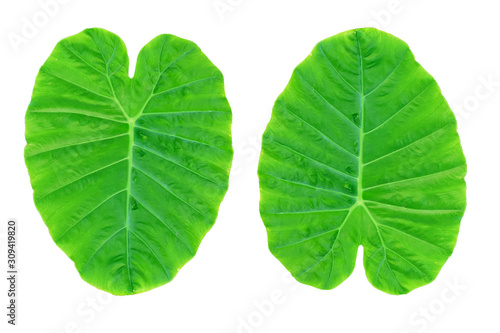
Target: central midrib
x: 131, y: 133
x: 359, y: 198
x: 131, y: 123
x: 360, y: 201
x: 361, y: 129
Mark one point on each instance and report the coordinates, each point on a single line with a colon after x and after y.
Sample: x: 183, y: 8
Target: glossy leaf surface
x: 128, y: 174
x: 362, y: 149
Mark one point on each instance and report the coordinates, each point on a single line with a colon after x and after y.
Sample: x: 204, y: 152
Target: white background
x: 256, y: 45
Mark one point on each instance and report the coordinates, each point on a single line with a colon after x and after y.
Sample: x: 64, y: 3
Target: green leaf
x: 362, y: 149
x: 128, y: 174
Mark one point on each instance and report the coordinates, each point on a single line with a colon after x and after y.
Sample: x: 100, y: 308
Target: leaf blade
x: 126, y: 231
x: 408, y: 167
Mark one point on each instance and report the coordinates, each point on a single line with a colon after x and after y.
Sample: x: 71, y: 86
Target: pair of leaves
x: 128, y: 174
x: 362, y: 149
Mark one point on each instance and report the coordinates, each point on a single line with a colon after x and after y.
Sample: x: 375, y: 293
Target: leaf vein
x: 408, y: 145
x: 88, y: 213
x: 81, y: 177
x: 328, y: 102
x: 169, y: 227
x: 167, y: 189
x: 153, y: 252
x: 312, y: 159
x: 308, y: 185
x: 320, y: 132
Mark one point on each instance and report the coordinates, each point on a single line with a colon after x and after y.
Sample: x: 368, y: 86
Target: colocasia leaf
x: 362, y: 149
x: 128, y: 174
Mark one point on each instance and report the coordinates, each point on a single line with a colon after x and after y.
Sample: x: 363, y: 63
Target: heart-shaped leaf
x: 362, y: 149
x: 128, y: 174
